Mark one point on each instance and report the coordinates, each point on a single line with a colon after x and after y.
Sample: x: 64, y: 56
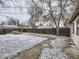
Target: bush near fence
x: 4, y: 31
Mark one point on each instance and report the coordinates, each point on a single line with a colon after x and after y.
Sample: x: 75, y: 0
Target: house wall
x: 71, y: 30
x: 75, y: 27
x: 74, y: 35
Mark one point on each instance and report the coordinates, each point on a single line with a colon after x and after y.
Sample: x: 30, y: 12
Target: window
x: 77, y: 27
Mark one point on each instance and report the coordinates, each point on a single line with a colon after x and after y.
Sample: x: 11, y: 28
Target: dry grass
x: 71, y: 49
x: 33, y: 53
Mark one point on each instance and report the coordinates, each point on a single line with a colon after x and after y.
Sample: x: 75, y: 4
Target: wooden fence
x: 62, y: 31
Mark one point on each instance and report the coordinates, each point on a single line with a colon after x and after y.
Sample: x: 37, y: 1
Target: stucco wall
x: 71, y: 30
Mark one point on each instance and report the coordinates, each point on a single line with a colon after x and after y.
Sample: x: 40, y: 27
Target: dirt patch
x: 34, y: 52
x: 71, y: 49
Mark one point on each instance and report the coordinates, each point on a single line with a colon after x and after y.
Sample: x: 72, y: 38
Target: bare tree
x: 12, y: 21
x: 62, y: 10
x: 56, y: 21
x: 58, y: 12
x: 35, y: 11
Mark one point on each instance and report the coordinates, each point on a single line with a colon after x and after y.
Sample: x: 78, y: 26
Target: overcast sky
x: 19, y: 13
x: 8, y: 10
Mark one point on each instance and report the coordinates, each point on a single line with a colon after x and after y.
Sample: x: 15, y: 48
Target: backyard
x: 37, y: 46
x: 39, y: 29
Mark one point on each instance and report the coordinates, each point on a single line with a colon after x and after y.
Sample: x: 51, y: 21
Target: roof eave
x: 74, y: 16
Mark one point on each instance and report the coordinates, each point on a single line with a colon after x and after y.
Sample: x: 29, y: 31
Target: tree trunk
x: 21, y: 29
x: 57, y: 31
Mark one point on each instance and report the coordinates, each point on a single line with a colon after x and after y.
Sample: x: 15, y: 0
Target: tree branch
x: 62, y: 8
x: 51, y: 13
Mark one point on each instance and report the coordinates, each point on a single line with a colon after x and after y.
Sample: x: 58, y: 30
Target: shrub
x: 15, y: 32
x: 4, y: 31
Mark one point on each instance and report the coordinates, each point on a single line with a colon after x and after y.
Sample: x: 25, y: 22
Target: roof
x: 9, y: 26
x: 75, y: 14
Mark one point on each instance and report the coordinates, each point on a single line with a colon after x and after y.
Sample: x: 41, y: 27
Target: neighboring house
x: 9, y: 27
x: 74, y: 26
x: 14, y: 27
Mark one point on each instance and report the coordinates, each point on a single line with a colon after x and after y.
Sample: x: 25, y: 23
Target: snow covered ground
x: 12, y: 44
x: 56, y: 52
x: 76, y: 40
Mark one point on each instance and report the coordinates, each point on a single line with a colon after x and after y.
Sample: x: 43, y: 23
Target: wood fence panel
x: 62, y: 31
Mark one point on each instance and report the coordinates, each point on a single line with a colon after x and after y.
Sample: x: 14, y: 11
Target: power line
x: 13, y: 13
x: 26, y: 7
x: 18, y: 12
x: 21, y: 12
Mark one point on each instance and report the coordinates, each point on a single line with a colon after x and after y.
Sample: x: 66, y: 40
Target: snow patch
x: 12, y: 44
x: 56, y: 52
